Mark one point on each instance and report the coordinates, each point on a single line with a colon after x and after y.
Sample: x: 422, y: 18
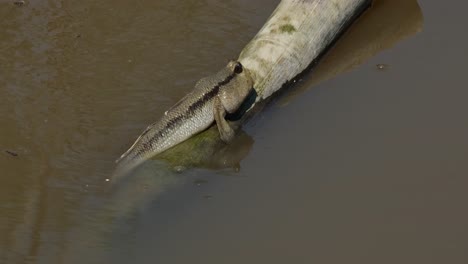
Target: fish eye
x: 238, y: 68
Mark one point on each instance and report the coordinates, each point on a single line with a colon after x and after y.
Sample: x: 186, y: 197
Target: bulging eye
x: 238, y: 68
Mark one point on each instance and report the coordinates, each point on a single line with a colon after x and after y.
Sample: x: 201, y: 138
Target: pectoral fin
x: 225, y: 130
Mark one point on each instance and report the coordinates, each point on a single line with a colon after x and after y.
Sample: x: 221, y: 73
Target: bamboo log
x: 294, y: 37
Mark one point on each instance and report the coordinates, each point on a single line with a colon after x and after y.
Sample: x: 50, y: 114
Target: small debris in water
x: 207, y: 196
x: 14, y: 154
x: 19, y: 2
x: 107, y: 179
x: 382, y: 66
x: 179, y: 169
x: 236, y: 168
x: 296, y: 80
x: 199, y: 182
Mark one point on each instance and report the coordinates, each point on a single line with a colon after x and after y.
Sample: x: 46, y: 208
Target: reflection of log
x: 386, y: 23
x: 296, y: 35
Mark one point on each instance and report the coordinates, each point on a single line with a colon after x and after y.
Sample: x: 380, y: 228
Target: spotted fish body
x: 191, y: 115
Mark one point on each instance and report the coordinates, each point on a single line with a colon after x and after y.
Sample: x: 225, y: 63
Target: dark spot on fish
x: 147, y: 145
x: 14, y: 154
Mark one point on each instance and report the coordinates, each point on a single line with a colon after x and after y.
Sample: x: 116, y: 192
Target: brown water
x: 369, y: 166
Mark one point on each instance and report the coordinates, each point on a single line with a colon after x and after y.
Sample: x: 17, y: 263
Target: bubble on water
x: 382, y: 66
x: 179, y: 169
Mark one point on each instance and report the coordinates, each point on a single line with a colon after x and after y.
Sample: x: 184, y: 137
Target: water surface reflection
x: 374, y: 169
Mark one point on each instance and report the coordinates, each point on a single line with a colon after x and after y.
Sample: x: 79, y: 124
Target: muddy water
x: 355, y: 164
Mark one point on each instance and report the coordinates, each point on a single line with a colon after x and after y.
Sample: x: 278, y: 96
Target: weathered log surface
x: 296, y: 35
